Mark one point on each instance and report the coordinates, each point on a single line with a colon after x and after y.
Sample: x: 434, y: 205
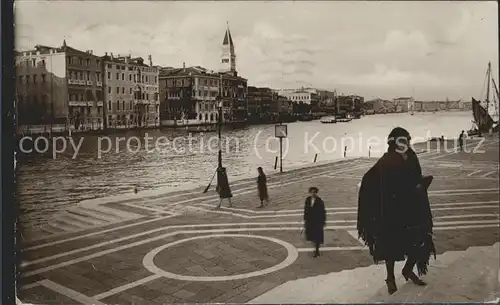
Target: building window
x: 99, y: 110
x: 130, y: 90
x: 117, y: 105
x: 109, y: 89
x: 109, y: 105
x: 87, y: 62
x: 123, y: 76
x: 109, y: 75
x: 80, y: 61
x: 117, y: 90
x: 130, y: 77
x: 34, y: 79
x: 98, y: 76
x: 117, y: 76
x: 146, y: 78
x: 110, y: 66
x: 88, y: 75
x: 156, y: 79
x: 33, y: 62
x: 27, y: 79
x: 123, y: 105
x: 134, y: 78
x: 123, y: 89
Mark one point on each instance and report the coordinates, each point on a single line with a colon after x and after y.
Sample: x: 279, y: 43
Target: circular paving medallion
x: 148, y: 260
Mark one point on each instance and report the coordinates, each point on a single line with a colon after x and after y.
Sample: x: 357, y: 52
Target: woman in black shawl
x: 262, y: 187
x: 394, y: 216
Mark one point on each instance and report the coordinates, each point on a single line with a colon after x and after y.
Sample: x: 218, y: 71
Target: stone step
x: 63, y: 226
x: 472, y: 277
x: 85, y: 222
x: 84, y: 212
x: 359, y: 285
x: 120, y: 214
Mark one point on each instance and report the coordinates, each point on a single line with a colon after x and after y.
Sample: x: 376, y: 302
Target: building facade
x: 131, y: 92
x: 192, y: 96
x: 59, y: 86
x: 404, y: 104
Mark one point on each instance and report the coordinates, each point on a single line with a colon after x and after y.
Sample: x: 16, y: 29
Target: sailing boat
x: 483, y: 122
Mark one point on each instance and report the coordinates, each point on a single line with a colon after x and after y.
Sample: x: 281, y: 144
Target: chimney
x: 150, y: 60
x: 111, y: 55
x: 184, y: 65
x: 105, y: 53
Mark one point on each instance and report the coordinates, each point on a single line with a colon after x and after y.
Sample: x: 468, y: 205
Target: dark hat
x: 398, y: 132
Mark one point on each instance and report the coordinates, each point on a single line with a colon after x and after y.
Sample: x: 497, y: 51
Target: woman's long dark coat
x: 262, y: 187
x: 314, y: 220
x: 394, y: 217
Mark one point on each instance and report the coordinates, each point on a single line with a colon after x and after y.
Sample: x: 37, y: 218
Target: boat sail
x: 483, y: 120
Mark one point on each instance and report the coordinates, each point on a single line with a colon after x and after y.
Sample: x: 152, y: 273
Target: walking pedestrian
x: 461, y: 140
x: 394, y: 216
x: 314, y: 219
x: 262, y: 187
x: 223, y: 188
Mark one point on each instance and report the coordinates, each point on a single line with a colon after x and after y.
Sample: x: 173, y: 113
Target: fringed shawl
x: 372, y: 203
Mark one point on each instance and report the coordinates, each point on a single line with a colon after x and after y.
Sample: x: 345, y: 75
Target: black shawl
x: 394, y: 217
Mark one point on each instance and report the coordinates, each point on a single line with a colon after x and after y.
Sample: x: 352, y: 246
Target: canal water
x: 47, y: 184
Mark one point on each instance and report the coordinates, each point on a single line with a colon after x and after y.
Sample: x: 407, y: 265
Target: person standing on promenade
x: 314, y: 219
x: 262, y: 187
x: 394, y: 215
x: 461, y: 140
x: 223, y: 188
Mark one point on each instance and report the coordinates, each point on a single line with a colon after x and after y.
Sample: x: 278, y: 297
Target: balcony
x: 78, y: 103
x: 141, y: 102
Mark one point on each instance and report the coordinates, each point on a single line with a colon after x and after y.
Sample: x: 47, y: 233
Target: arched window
x: 200, y: 117
x: 211, y: 117
x: 206, y: 116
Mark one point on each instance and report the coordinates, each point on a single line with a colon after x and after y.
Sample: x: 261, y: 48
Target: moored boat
x: 329, y: 121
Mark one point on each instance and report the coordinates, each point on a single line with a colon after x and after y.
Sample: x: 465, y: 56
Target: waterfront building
x: 418, y: 106
x: 58, y: 88
x: 404, y: 104
x: 191, y: 95
x: 131, y: 92
x: 349, y: 103
x: 254, y: 102
x: 284, y: 106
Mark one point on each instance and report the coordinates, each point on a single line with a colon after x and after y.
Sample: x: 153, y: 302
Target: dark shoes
x: 391, y: 286
x: 411, y: 276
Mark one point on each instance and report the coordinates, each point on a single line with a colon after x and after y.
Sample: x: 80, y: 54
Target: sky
x: 428, y: 50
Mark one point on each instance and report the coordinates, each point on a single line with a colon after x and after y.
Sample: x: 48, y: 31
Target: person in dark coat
x: 394, y: 216
x: 262, y: 187
x: 461, y: 140
x: 314, y: 219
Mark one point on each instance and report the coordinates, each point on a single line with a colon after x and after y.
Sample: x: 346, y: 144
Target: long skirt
x: 315, y: 233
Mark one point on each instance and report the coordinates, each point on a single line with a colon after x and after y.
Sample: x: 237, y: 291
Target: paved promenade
x: 178, y: 248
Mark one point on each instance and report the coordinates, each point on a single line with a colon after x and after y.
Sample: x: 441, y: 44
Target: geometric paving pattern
x: 179, y: 248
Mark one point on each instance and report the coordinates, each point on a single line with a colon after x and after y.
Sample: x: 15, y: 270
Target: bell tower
x: 228, y: 57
